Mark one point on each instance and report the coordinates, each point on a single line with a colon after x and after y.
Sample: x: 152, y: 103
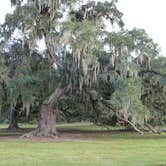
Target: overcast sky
x: 147, y: 14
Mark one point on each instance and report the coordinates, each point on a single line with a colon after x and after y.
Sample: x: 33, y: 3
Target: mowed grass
x: 98, y: 149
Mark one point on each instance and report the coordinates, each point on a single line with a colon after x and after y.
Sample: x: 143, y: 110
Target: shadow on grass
x: 90, y: 134
x: 13, y: 133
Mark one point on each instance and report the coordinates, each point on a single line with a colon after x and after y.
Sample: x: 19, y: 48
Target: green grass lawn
x: 97, y: 149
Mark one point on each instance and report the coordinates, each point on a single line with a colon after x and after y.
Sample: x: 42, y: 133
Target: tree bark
x: 47, y: 122
x: 5, y: 105
x: 15, y: 113
x: 152, y: 129
x: 13, y: 119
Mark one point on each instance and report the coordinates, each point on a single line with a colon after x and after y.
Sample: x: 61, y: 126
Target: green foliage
x: 135, y: 39
x: 28, y: 85
x: 154, y: 97
x: 127, y: 100
x: 72, y: 111
x: 97, y: 77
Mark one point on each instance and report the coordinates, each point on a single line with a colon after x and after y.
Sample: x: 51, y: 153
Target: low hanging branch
x: 122, y: 119
x: 130, y: 123
x: 152, y: 129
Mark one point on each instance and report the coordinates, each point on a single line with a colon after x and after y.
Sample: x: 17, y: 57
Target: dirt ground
x: 63, y: 135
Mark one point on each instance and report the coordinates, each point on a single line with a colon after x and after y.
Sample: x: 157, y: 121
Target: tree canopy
x: 115, y: 76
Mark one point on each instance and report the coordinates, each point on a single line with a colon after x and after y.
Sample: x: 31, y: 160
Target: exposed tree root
x: 41, y: 134
x: 152, y: 129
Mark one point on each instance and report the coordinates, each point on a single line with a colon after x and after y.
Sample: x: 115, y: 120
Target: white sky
x: 147, y: 14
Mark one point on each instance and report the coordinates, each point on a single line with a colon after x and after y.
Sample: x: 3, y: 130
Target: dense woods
x: 85, y: 72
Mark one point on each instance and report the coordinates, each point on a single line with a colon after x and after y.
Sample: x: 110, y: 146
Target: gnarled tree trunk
x: 47, y: 121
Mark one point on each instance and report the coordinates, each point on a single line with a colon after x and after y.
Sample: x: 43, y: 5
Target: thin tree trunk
x: 14, y: 114
x: 5, y: 105
x: 13, y: 119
